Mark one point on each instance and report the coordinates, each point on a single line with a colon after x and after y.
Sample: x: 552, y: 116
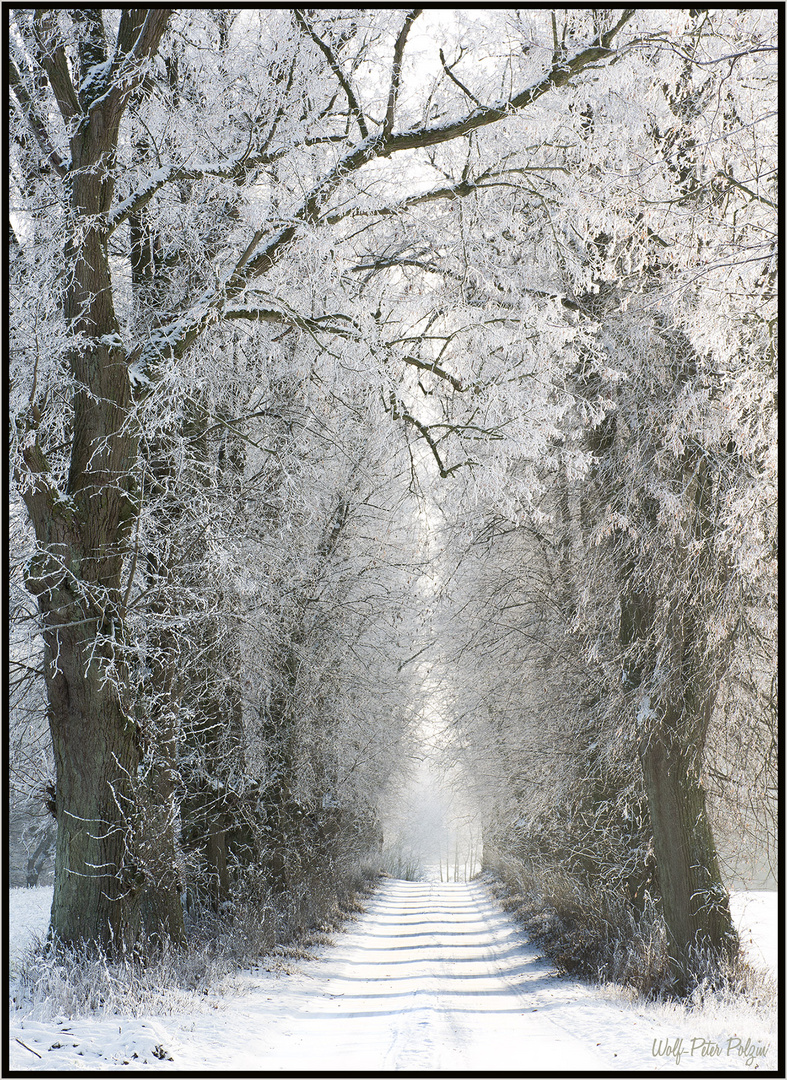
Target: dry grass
x: 243, y: 935
x: 594, y: 933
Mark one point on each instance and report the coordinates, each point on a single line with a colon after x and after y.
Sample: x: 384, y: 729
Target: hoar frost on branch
x: 268, y: 264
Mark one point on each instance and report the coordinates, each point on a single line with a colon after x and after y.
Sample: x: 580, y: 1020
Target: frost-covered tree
x: 659, y: 219
x: 684, y: 435
x: 174, y: 170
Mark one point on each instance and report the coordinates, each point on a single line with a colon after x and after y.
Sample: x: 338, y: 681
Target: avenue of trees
x: 368, y: 362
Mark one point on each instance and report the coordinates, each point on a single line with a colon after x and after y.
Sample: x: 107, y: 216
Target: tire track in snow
x: 430, y: 1026
x: 469, y: 963
x: 438, y: 977
x: 431, y: 978
x: 447, y: 985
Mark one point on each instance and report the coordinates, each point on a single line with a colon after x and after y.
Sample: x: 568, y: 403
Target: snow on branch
x: 336, y: 69
x: 34, y: 120
x: 254, y: 264
x: 396, y: 70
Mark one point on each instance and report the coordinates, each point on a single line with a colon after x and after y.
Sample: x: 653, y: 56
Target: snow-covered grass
x: 720, y: 1028
x: 220, y: 948
x: 28, y: 919
x: 43, y: 989
x: 431, y: 976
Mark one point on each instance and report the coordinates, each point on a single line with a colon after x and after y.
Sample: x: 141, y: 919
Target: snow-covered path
x: 437, y: 977
x: 432, y: 977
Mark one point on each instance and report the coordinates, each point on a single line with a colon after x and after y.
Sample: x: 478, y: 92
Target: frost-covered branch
x: 396, y: 70
x: 336, y: 68
x: 51, y: 55
x: 34, y: 119
x: 254, y: 264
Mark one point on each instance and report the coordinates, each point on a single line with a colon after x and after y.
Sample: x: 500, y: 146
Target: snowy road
x: 430, y: 978
x: 433, y: 978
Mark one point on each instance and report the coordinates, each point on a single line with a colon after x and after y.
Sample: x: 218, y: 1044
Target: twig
x: 336, y: 68
x: 28, y: 1048
x: 461, y: 85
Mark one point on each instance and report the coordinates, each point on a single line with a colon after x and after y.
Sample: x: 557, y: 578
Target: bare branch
x: 34, y: 120
x: 747, y: 190
x: 558, y: 75
x: 128, y: 68
x: 424, y: 432
x: 52, y: 58
x: 151, y: 33
x: 327, y: 324
x: 458, y: 82
x: 434, y: 369
x: 236, y: 167
x: 131, y: 22
x: 314, y: 323
x: 452, y: 191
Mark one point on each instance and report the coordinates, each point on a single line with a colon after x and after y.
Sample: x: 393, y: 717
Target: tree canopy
x: 352, y: 351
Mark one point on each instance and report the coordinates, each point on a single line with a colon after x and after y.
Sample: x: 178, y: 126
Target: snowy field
x: 431, y: 977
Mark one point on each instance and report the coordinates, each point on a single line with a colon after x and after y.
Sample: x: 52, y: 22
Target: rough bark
x: 695, y: 902
x: 82, y: 534
x: 96, y: 752
x: 694, y: 898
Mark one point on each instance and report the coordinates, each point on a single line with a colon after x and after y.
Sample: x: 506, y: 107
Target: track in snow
x: 445, y: 977
x: 430, y: 978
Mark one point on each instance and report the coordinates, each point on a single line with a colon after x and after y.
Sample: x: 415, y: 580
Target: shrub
x: 255, y: 925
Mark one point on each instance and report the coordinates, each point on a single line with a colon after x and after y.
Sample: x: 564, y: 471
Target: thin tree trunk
x: 36, y: 861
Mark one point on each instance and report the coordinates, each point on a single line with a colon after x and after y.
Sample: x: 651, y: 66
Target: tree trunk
x: 159, y: 844
x: 213, y: 767
x: 82, y: 532
x: 695, y: 902
x: 281, y: 813
x: 37, y: 859
x: 157, y: 709
x: 96, y: 752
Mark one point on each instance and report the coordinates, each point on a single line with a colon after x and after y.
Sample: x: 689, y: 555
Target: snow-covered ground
x: 431, y: 977
x: 756, y: 917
